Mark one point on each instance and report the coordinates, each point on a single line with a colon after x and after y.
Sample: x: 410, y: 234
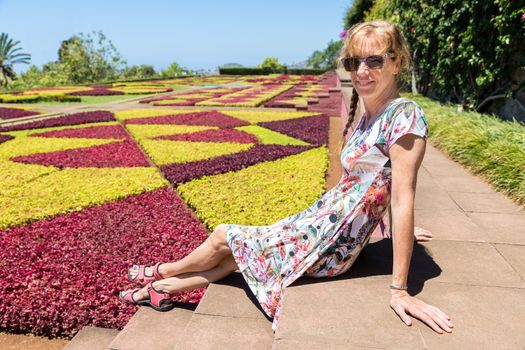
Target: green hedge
x: 38, y: 98
x: 266, y: 71
x: 490, y: 147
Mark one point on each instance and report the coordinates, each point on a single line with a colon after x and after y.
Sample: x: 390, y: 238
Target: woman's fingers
x: 421, y: 234
x: 440, y: 320
x: 400, y: 311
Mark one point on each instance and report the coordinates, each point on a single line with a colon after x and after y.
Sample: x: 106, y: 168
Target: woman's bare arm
x: 406, y: 156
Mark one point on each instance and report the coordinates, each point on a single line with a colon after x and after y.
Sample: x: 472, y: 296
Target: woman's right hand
x: 402, y: 303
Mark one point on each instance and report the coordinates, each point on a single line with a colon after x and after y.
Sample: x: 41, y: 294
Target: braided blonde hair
x: 391, y: 40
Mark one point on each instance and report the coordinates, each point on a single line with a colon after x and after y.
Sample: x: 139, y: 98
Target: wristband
x: 398, y: 286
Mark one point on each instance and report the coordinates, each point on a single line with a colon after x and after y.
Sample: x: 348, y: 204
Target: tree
x: 326, y: 59
x: 356, y: 12
x: 175, y: 70
x: 90, y: 58
x: 143, y: 71
x: 272, y: 63
x: 10, y: 55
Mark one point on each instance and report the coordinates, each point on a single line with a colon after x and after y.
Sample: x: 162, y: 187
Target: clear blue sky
x: 196, y: 34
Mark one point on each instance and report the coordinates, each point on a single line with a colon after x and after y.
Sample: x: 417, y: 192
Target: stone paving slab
x: 514, y: 254
x: 464, y: 263
x: 485, y: 203
x: 231, y: 297
x: 220, y: 332
x: 449, y: 224
x: 500, y: 227
x: 352, y: 312
x: 150, y: 329
x: 483, y: 317
x: 92, y: 338
x: 286, y: 344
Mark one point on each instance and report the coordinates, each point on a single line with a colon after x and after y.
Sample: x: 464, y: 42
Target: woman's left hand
x: 402, y: 303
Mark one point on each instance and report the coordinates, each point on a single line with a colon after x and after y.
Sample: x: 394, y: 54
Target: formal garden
x: 99, y: 172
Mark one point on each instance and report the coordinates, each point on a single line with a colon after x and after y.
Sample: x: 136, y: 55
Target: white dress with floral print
x: 325, y: 238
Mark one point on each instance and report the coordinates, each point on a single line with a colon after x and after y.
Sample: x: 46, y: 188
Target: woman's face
x: 374, y: 83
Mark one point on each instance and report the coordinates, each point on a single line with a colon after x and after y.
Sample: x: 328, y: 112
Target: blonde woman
x: 380, y: 162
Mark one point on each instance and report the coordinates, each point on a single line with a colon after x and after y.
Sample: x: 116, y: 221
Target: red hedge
x: 92, y: 132
x: 70, y: 119
x: 211, y: 118
x: 116, y: 154
x: 221, y: 135
x: 310, y: 129
x: 13, y: 113
x: 182, y: 172
x: 61, y: 274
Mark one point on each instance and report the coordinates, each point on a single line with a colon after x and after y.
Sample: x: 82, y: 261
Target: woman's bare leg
x: 205, y: 257
x: 191, y: 280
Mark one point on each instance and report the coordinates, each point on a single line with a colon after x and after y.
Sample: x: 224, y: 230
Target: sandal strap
x: 157, y: 297
x: 156, y: 272
x: 127, y: 296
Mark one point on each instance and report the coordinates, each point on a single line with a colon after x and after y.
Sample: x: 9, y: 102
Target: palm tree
x: 9, y: 55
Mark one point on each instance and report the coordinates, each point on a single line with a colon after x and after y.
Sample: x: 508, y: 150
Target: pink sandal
x: 141, y: 278
x: 127, y: 297
x: 158, y: 300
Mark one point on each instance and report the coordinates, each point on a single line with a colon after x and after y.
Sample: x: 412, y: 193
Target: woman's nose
x: 362, y: 69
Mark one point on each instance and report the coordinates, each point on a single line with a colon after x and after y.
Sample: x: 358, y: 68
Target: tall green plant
x: 464, y: 50
x: 9, y: 56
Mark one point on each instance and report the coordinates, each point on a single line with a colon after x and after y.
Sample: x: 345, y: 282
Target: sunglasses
x: 352, y: 64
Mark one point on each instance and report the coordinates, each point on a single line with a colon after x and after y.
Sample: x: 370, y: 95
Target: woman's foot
x: 143, y: 274
x: 148, y: 295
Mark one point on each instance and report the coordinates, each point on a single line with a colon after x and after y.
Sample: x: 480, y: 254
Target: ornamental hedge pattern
x: 14, y: 113
x: 71, y: 119
x: 260, y: 194
x: 58, y: 275
x: 92, y: 195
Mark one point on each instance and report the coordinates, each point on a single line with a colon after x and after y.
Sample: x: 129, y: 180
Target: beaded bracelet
x: 398, y: 286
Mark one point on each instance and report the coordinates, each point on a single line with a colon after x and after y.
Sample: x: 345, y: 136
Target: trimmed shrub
x: 70, y: 119
x: 183, y: 172
x: 260, y: 194
x: 61, y: 274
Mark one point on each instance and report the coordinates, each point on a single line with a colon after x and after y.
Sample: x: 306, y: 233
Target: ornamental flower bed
x: 260, y: 194
x: 313, y: 129
x: 190, y: 98
x: 253, y: 97
x: 97, y: 90
x: 14, y: 113
x: 59, y: 275
x: 70, y: 119
x: 89, y: 204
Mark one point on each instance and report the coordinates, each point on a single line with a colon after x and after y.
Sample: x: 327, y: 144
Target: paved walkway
x: 473, y: 269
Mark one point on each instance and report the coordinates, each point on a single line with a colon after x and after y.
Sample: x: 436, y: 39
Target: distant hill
x: 232, y: 65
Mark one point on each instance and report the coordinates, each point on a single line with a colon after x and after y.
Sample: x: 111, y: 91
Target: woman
x: 380, y: 161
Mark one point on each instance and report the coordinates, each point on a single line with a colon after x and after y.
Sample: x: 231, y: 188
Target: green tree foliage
x: 90, y: 58
x: 143, y: 71
x: 464, y: 50
x: 356, y: 12
x: 272, y: 63
x: 9, y: 55
x: 326, y: 59
x: 175, y: 70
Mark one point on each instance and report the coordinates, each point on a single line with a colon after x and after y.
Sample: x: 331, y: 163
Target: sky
x: 196, y: 34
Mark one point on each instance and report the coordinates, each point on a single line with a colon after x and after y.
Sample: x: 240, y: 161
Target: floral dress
x: 324, y: 239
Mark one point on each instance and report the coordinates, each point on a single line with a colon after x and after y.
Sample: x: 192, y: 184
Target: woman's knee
x: 218, y: 237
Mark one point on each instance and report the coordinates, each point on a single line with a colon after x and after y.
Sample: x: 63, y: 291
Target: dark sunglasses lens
x: 353, y: 63
x: 375, y: 62
x: 346, y: 63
